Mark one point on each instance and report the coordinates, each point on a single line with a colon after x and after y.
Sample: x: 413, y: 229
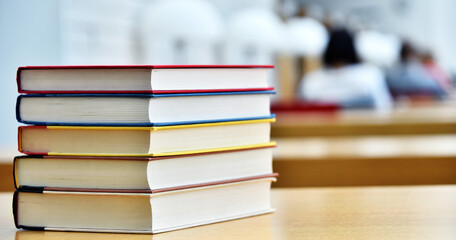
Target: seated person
x: 344, y: 80
x: 436, y: 72
x: 410, y: 78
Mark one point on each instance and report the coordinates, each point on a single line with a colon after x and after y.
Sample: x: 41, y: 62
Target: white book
x: 141, y: 174
x: 142, y: 109
x: 141, y: 213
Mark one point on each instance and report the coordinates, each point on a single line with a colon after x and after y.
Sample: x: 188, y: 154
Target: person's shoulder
x: 366, y: 68
x: 316, y: 74
x: 368, y: 72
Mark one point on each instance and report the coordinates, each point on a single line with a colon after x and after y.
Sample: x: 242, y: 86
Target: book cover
x: 144, y: 191
x: 145, y: 96
x: 260, y: 157
x: 21, y: 69
x: 34, y: 209
x: 247, y: 124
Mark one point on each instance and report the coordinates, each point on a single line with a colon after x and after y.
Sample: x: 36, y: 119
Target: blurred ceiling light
x: 255, y: 35
x: 257, y: 27
x: 336, y: 19
x: 378, y: 48
x: 196, y: 19
x: 181, y: 32
x: 315, y: 11
x: 307, y: 37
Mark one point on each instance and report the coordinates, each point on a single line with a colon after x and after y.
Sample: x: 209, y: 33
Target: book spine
x: 227, y: 181
x: 18, y: 80
x: 197, y: 94
x: 155, y: 124
x: 15, y: 163
x: 16, y: 215
x: 148, y: 92
x: 76, y: 124
x: 164, y: 124
x: 16, y: 210
x: 97, y: 94
x: 14, y: 172
x: 45, y: 92
x: 19, y: 141
x: 18, y: 108
x: 212, y: 90
x: 31, y: 228
x: 30, y: 189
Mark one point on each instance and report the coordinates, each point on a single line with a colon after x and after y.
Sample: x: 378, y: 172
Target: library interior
x: 363, y: 113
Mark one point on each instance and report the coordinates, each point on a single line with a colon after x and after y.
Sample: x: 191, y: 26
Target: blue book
x: 142, y: 109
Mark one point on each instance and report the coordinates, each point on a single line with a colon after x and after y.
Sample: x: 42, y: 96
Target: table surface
x: 413, y: 212
x: 433, y: 119
x: 366, y: 147
x: 430, y: 112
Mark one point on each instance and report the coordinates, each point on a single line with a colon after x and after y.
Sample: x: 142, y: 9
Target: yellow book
x: 144, y: 141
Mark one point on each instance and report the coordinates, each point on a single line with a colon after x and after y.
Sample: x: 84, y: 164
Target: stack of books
x: 143, y: 149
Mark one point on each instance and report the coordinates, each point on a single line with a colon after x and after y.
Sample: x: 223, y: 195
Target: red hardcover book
x: 142, y: 78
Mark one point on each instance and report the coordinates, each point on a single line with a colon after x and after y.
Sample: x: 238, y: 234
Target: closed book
x: 141, y: 109
x: 139, y: 174
x: 141, y: 213
x: 142, y: 78
x: 144, y: 141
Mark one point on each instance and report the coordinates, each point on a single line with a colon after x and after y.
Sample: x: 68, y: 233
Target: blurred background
x: 364, y: 87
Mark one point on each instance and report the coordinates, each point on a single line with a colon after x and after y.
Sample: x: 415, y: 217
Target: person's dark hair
x: 408, y: 51
x: 340, y: 49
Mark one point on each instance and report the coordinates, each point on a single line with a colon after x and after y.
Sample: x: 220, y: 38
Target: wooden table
x: 6, y: 167
x: 426, y: 212
x: 348, y: 161
x: 366, y: 160
x: 434, y: 119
